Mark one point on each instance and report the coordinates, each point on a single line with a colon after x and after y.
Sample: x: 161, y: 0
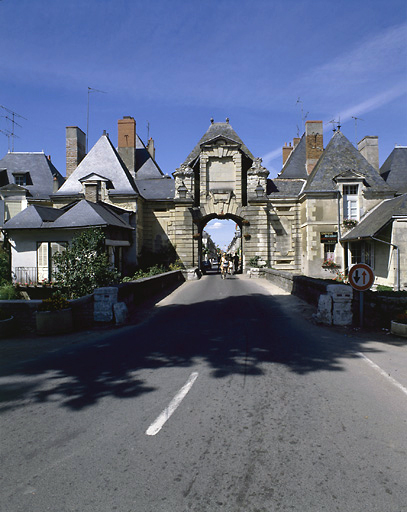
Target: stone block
x: 324, y: 313
x: 120, y: 312
x: 104, y: 299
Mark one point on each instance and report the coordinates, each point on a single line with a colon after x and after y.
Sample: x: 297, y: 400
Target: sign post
x: 361, y: 278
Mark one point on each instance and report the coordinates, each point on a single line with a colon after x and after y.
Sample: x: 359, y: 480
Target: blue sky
x: 176, y: 64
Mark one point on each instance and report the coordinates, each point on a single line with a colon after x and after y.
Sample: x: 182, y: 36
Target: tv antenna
x: 356, y: 128
x: 90, y: 90
x: 336, y: 125
x: 148, y: 131
x: 11, y: 134
x: 303, y: 116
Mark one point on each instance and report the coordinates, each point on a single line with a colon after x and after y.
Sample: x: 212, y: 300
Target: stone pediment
x: 220, y: 141
x: 350, y: 174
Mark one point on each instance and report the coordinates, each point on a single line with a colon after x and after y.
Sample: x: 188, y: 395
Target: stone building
x: 321, y: 206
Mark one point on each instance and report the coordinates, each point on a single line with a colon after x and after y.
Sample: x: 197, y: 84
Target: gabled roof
x: 394, y: 170
x: 340, y: 156
x: 294, y: 166
x: 40, y: 184
x: 147, y: 167
x: 378, y: 218
x: 215, y: 131
x: 103, y: 160
x: 82, y: 214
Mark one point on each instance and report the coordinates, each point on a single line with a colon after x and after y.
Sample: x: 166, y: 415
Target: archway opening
x: 219, y: 235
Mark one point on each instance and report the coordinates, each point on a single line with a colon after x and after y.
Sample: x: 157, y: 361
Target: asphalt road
x: 225, y: 398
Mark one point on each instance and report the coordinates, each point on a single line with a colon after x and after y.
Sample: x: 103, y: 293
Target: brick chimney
x: 314, y: 143
x: 75, y: 148
x: 369, y: 148
x: 127, y: 142
x: 151, y: 148
x: 286, y: 152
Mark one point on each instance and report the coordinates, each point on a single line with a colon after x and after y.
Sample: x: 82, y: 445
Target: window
x: 329, y: 252
x: 351, y: 202
x: 45, y: 253
x: 12, y: 208
x: 356, y: 253
x: 20, y: 179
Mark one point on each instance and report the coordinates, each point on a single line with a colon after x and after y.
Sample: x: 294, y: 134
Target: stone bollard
x: 104, y: 299
x: 335, y: 308
x: 341, y: 303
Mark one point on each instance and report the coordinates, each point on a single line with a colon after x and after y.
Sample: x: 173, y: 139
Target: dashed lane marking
x: 158, y: 424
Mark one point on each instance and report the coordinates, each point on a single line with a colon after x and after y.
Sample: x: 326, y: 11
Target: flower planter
x: 7, y: 327
x: 398, y: 329
x: 54, y: 322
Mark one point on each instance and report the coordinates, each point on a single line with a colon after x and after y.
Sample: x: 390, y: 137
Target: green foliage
x: 139, y: 274
x: 54, y: 303
x: 254, y: 262
x: 5, y: 276
x: 84, y: 265
x: 8, y: 292
x: 384, y: 288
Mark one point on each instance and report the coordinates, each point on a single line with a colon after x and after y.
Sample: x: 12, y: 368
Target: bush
x: 8, y: 292
x: 152, y: 271
x: 5, y: 276
x: 84, y: 265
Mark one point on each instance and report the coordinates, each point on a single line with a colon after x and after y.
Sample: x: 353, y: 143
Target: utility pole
x: 90, y: 90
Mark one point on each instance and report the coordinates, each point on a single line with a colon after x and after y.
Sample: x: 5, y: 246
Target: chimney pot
x: 369, y: 148
x: 314, y: 143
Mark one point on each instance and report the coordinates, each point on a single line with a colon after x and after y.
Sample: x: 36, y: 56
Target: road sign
x: 361, y: 277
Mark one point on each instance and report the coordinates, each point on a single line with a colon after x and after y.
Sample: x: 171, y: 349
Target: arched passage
x: 219, y: 234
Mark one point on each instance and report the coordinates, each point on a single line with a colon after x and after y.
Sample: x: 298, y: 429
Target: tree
x: 84, y: 265
x: 5, y: 277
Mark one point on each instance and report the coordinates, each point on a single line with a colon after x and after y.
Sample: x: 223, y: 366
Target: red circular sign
x: 361, y: 277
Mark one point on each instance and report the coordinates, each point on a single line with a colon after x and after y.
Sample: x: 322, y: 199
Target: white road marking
x: 158, y: 424
x: 383, y: 373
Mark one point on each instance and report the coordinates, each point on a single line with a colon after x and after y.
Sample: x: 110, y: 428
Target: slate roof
x: 217, y: 130
x: 280, y: 187
x: 294, y: 166
x: 147, y: 167
x: 81, y: 214
x: 157, y: 189
x: 103, y: 160
x: 41, y: 173
x: 378, y: 218
x: 340, y: 156
x: 394, y: 170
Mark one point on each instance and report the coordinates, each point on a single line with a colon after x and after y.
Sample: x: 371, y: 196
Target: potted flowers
x: 399, y: 325
x: 349, y: 223
x: 330, y: 265
x: 54, y: 316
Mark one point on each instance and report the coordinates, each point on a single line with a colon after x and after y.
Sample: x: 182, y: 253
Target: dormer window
x: 20, y: 179
x: 350, y: 195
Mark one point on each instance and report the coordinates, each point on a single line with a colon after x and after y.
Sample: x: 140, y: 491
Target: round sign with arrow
x: 361, y: 277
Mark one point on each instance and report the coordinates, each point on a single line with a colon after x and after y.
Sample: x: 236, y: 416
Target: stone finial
x: 227, y: 120
x: 212, y: 120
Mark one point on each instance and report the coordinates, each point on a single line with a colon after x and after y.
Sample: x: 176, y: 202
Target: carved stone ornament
x: 257, y: 169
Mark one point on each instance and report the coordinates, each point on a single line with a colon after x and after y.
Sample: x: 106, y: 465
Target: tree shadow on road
x: 238, y: 335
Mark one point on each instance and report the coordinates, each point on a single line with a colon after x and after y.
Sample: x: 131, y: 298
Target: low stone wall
x: 379, y: 308
x: 306, y: 288
x: 133, y: 294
